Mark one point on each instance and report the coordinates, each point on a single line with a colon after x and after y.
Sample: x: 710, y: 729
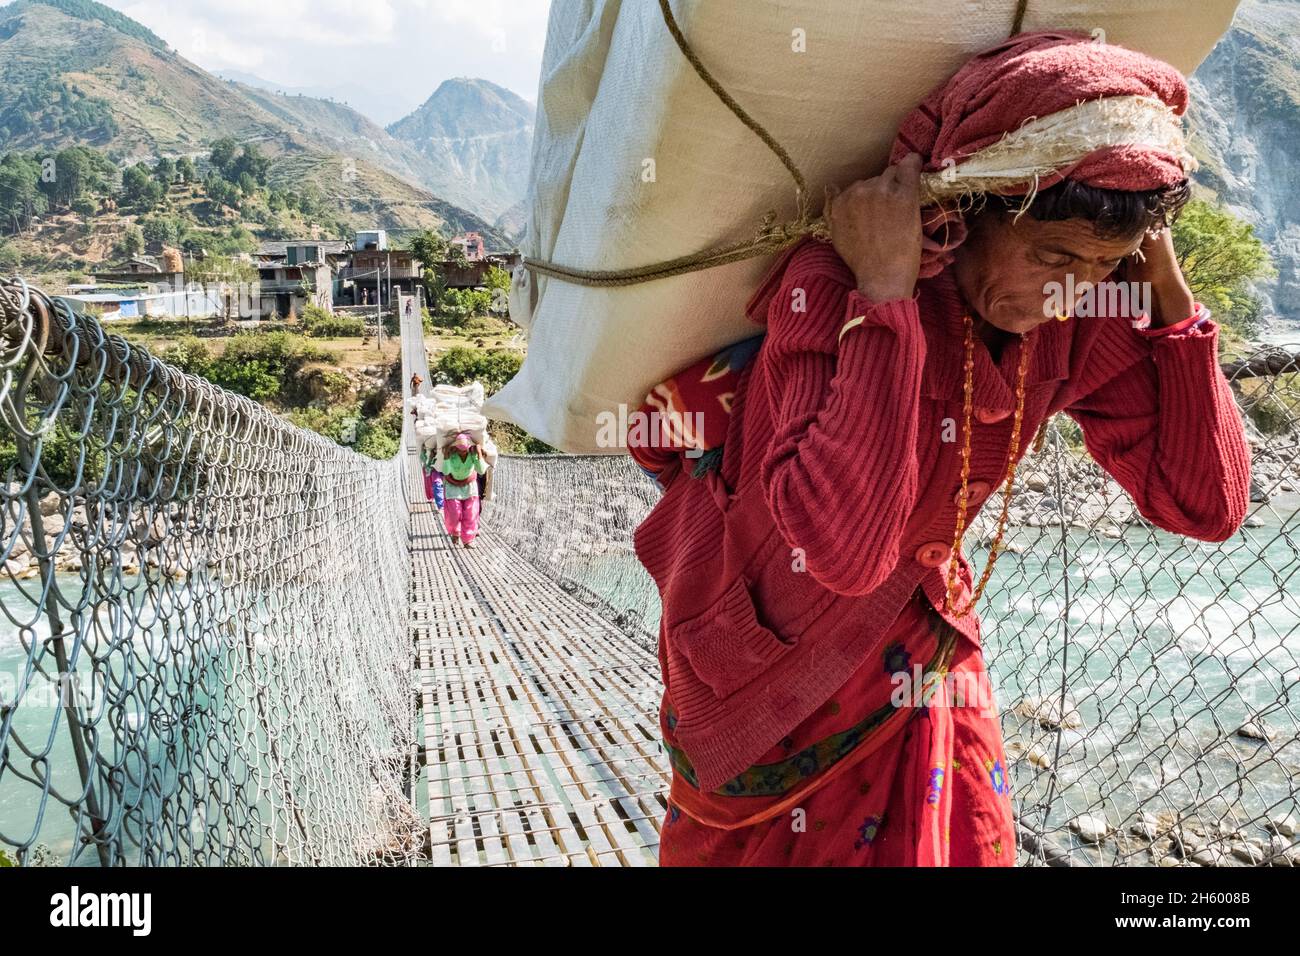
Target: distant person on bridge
x: 434, y: 487
x: 825, y: 695
x: 461, y: 463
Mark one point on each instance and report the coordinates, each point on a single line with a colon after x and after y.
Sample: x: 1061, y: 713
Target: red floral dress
x: 903, y: 766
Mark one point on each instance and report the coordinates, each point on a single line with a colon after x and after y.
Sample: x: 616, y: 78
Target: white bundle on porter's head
x: 448, y: 412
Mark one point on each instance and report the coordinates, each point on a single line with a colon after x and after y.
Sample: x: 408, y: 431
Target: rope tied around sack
x: 1017, y: 25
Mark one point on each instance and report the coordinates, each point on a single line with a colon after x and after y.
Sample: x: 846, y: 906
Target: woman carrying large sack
x: 826, y: 701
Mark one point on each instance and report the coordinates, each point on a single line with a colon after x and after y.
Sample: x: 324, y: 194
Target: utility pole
x: 392, y: 303
x: 379, y: 308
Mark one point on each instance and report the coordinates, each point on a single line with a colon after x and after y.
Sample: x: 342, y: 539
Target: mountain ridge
x: 71, y: 79
x: 1245, y: 120
x: 478, y: 137
x: 373, y: 104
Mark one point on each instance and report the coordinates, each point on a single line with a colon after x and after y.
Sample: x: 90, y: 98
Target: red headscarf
x: 1033, y: 75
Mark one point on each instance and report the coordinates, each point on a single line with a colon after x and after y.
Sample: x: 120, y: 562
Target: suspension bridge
x: 228, y: 641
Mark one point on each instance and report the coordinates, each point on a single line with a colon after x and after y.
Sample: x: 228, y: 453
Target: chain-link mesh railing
x: 582, y: 538
x: 1146, y: 682
x: 204, y: 652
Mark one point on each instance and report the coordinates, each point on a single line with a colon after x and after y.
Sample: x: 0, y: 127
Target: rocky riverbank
x: 1163, y: 839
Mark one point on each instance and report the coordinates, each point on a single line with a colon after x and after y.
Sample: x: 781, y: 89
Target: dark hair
x: 1114, y: 213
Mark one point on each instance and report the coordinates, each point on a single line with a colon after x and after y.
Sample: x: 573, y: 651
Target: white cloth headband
x: 1045, y: 144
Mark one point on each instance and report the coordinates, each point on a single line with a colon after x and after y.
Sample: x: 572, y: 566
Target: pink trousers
x: 461, y: 518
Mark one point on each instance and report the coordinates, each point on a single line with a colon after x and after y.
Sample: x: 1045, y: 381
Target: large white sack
x: 454, y: 410
x: 449, y: 411
x: 476, y: 429
x: 451, y: 396
x: 423, y: 405
x: 616, y: 92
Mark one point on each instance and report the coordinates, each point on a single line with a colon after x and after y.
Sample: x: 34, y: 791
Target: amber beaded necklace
x: 1008, y: 476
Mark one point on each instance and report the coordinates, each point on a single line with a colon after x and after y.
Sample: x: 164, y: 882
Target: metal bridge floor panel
x: 540, y: 718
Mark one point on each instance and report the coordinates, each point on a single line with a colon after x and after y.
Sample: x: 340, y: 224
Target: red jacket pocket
x: 727, y: 646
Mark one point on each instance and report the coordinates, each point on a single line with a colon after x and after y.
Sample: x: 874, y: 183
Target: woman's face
x: 1007, y: 269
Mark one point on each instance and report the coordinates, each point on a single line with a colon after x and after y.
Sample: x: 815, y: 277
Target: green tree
x: 433, y: 252
x: 221, y: 192
x: 223, y: 153
x: 429, y: 249
x: 185, y: 170
x: 21, y: 199
x: 237, y: 240
x: 234, y: 162
x: 140, y: 189
x: 165, y: 172
x: 264, y: 367
x: 162, y: 231
x: 250, y: 163
x: 77, y: 171
x: 131, y: 243
x: 191, y: 355
x: 464, y: 366
x: 465, y: 304
x: 320, y: 324
x: 72, y: 176
x: 1220, y: 255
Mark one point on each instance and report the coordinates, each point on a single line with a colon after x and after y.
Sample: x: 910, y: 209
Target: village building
x: 473, y: 273
x: 142, y: 270
x: 336, y: 273
x: 375, y: 272
x: 141, y: 287
x: 296, y: 273
x: 471, y: 243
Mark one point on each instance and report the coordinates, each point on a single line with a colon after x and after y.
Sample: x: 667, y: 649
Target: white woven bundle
x: 448, y: 412
x: 636, y: 161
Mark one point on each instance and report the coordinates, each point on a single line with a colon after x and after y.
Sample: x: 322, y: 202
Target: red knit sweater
x: 836, y: 497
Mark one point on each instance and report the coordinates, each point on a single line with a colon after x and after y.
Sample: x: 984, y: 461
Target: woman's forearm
x: 841, y: 475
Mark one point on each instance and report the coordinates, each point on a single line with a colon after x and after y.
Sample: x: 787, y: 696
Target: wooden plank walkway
x: 540, y: 718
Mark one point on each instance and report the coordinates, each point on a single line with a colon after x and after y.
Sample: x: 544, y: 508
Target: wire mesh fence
x: 204, y: 654
x: 583, y: 541
x: 1146, y: 683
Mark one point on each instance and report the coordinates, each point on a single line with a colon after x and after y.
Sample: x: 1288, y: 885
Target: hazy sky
x: 394, y: 53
